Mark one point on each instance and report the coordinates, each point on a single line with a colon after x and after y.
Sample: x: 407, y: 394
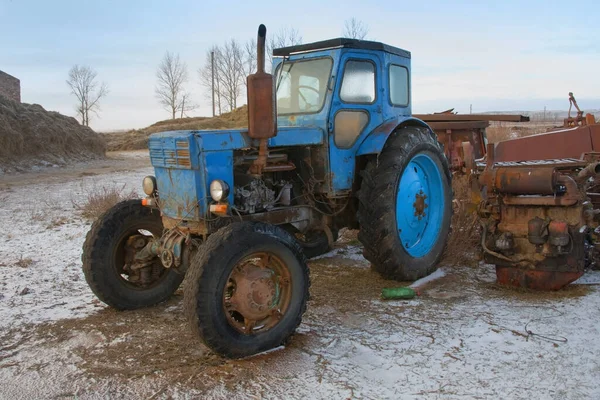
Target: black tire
x: 209, y: 274
x: 102, y: 258
x: 377, y: 205
x: 317, y: 243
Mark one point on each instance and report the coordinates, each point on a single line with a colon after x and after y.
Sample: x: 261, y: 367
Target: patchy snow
x: 464, y: 337
x: 590, y: 278
x: 437, y: 274
x: 348, y: 252
x: 40, y: 248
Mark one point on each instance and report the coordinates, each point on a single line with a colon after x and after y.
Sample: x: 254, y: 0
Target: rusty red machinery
x: 579, y: 119
x: 539, y: 206
x: 463, y: 135
x: 553, y: 145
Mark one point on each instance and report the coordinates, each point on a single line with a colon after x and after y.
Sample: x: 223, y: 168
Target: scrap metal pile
x: 463, y: 135
x: 539, y: 205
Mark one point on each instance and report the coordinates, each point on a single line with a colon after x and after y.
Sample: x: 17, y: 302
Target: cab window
x: 302, y: 85
x: 358, y: 82
x: 399, y: 93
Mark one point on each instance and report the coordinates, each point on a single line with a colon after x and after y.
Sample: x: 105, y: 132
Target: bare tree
x: 282, y: 38
x: 233, y: 62
x: 231, y: 72
x: 186, y: 105
x: 171, y: 75
x: 206, y: 78
x: 355, y: 29
x: 249, y: 57
x: 87, y: 90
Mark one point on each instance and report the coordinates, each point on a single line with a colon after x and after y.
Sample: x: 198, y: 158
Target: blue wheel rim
x: 420, y: 205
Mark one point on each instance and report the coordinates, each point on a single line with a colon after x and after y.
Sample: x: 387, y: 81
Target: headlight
x: 149, y: 185
x: 219, y: 190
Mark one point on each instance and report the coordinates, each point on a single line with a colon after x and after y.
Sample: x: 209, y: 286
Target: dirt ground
x: 463, y: 337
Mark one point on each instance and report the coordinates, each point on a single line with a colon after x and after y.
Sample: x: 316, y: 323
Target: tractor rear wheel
x: 405, y: 205
x: 247, y: 289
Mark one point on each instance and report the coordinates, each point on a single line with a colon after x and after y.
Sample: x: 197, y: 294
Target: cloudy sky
x: 496, y: 55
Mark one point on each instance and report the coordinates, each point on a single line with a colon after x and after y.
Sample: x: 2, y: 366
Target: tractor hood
x: 185, y: 162
x: 235, y: 139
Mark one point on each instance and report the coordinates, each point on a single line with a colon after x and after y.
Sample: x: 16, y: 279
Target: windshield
x: 302, y: 85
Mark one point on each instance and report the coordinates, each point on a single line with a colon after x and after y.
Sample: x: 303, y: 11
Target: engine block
x: 539, y: 225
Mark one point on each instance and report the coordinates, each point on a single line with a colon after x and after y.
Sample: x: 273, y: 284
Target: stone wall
x: 10, y: 86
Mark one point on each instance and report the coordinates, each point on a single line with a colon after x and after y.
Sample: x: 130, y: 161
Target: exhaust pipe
x: 262, y: 116
x: 261, y: 43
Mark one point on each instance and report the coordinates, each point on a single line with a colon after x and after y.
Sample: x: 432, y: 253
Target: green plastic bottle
x: 397, y: 293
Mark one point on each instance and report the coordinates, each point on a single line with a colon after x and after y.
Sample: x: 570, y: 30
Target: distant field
x: 499, y: 131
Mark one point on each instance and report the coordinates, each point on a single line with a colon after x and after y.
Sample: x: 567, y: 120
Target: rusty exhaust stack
x: 262, y: 123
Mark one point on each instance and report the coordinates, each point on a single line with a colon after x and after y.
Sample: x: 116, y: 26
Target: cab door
x: 356, y: 110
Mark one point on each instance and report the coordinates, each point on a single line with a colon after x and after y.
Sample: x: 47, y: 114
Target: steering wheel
x: 308, y: 105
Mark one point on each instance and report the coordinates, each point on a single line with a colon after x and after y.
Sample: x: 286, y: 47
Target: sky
x: 496, y: 55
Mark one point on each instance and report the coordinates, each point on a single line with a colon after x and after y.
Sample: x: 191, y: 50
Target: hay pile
x: 137, y: 139
x: 33, y: 137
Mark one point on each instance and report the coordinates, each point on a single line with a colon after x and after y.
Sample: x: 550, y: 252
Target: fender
x: 374, y: 142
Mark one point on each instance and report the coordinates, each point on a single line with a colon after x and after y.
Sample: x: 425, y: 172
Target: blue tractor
x: 330, y: 144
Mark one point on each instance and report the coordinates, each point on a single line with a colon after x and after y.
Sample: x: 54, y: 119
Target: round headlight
x: 149, y: 185
x: 219, y: 190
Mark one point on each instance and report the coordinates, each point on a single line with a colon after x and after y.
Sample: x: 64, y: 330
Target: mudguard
x: 374, y: 142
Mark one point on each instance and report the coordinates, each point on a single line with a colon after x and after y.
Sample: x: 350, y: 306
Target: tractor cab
x: 345, y: 88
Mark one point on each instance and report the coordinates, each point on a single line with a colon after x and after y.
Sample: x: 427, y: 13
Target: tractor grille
x: 170, y: 153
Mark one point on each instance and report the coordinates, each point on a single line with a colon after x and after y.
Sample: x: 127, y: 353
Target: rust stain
x: 535, y: 279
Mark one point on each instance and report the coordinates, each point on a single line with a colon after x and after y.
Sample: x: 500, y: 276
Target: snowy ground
x: 464, y: 337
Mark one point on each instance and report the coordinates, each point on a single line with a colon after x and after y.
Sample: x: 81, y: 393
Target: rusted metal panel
x: 535, y: 279
x: 453, y: 135
x: 565, y: 143
x: 595, y: 136
x: 458, y: 125
x: 472, y: 117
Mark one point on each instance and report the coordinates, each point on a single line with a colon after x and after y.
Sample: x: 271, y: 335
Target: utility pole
x: 212, y: 72
x: 544, y: 113
x: 470, y: 108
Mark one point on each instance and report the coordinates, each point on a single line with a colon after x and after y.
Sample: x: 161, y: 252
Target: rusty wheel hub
x: 257, y: 293
x: 254, y: 293
x: 136, y: 274
x: 420, y: 205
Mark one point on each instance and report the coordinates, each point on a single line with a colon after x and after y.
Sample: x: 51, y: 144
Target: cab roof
x: 340, y: 43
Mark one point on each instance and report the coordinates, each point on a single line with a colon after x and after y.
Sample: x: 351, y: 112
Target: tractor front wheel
x: 247, y: 289
x: 405, y: 205
x: 108, y: 258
